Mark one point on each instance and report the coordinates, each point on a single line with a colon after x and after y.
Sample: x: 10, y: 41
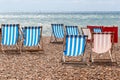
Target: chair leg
x: 2, y: 49
x: 110, y: 55
x: 63, y: 58
x: 50, y: 38
x: 90, y: 59
x: 83, y: 59
x: 20, y: 49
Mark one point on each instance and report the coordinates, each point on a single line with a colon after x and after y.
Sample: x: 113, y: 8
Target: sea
x: 81, y: 19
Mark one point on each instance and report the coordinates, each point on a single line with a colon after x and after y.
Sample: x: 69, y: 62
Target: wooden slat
x: 102, y: 60
x: 74, y: 62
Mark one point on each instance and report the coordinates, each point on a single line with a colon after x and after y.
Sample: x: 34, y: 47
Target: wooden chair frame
x: 72, y: 62
x: 103, y: 60
x: 54, y: 37
x: 11, y: 48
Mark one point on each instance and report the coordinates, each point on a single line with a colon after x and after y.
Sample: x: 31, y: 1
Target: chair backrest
x: 32, y: 35
x: 86, y: 31
x: 75, y: 45
x: 102, y: 42
x: 58, y: 30
x: 97, y: 30
x: 113, y: 29
x: 72, y: 30
x: 10, y: 34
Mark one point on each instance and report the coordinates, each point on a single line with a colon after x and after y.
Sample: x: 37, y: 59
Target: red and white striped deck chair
x: 102, y: 43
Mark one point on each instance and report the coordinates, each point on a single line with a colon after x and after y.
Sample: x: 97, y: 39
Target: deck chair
x: 32, y: 39
x: 86, y: 31
x: 102, y: 43
x: 10, y: 37
x: 72, y: 30
x: 57, y: 32
x: 74, y: 45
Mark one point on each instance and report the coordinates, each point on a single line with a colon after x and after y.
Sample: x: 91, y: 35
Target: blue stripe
x: 39, y: 34
x: 83, y: 48
x: 79, y: 46
x: 67, y: 46
x: 17, y: 33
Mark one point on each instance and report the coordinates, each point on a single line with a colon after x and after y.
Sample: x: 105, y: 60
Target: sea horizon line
x: 56, y: 12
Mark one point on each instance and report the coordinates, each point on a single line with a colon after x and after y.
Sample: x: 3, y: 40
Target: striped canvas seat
x: 97, y: 30
x: 58, y: 30
x: 102, y: 43
x: 75, y: 45
x: 72, y: 30
x: 10, y: 34
x: 31, y: 36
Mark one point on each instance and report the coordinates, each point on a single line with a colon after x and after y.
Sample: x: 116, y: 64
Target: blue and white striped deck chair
x: 74, y: 46
x: 97, y: 30
x: 10, y: 37
x: 32, y: 38
x: 57, y: 32
x: 72, y: 30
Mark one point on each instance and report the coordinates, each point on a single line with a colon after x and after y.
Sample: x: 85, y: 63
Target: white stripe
x: 60, y: 31
x: 30, y: 41
x: 15, y: 35
x: 75, y: 30
x: 73, y: 46
x: 95, y: 41
x: 81, y: 46
x: 100, y: 44
x: 5, y: 36
x: 11, y: 35
x: 33, y: 36
x: 77, y: 40
x: 37, y: 36
x: 104, y: 41
x: 72, y: 30
x: 27, y: 37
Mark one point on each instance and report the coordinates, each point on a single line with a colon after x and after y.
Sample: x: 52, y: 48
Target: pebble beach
x: 48, y: 65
